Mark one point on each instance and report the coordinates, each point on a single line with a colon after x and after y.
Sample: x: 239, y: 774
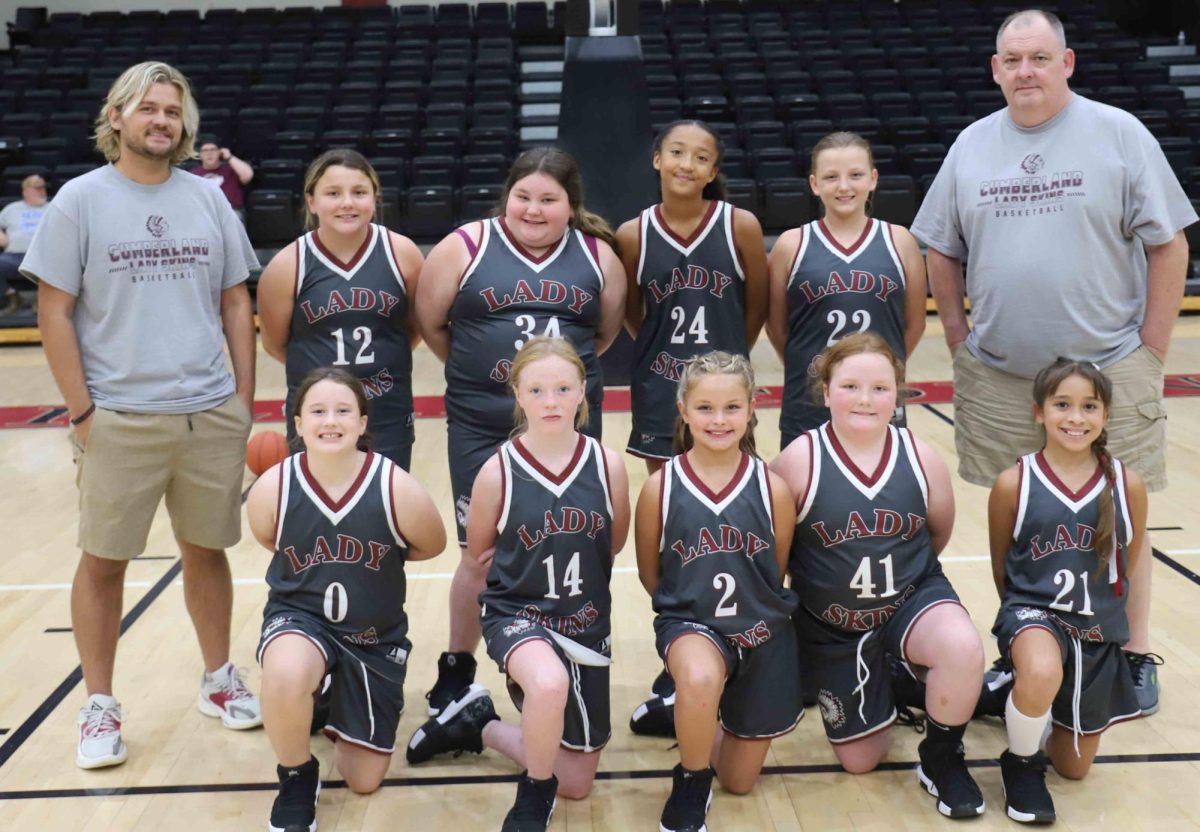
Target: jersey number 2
x: 724, y: 582
x: 837, y: 317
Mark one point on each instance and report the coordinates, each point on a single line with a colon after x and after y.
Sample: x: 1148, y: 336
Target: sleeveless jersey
x: 506, y: 296
x: 355, y: 316
x: 694, y: 297
x: 831, y: 292
x: 862, y: 543
x: 1052, y: 561
x: 718, y: 554
x: 554, y: 552
x: 343, y: 561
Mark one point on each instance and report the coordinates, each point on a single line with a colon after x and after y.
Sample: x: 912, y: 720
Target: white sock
x: 104, y: 700
x: 1024, y: 732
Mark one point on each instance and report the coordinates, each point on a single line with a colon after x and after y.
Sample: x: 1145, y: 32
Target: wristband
x: 83, y: 417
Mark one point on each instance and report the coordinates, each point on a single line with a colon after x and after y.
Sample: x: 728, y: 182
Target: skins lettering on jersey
x: 355, y: 316
x: 694, y: 297
x: 341, y: 561
x: 506, y: 296
x: 553, y: 557
x: 1052, y: 561
x: 862, y: 542
x: 718, y: 554
x: 833, y: 291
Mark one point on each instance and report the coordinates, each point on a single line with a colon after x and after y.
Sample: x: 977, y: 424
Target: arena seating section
x: 433, y: 94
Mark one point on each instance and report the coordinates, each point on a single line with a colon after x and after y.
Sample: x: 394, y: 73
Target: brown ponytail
x: 1106, y: 522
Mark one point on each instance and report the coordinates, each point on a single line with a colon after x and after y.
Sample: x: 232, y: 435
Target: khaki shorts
x: 134, y: 459
x: 993, y: 417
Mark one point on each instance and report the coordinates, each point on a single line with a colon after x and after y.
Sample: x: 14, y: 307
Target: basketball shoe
x: 1142, y: 666
x: 224, y: 695
x: 455, y: 672
x: 458, y: 728
x: 691, y: 795
x: 100, y: 742
x: 295, y: 807
x: 943, y: 772
x: 1026, y: 798
x: 997, y: 685
x: 534, y: 806
x: 656, y: 716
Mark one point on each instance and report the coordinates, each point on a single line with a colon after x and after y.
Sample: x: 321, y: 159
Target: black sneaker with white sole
x: 458, y: 728
x: 943, y: 772
x: 534, y: 806
x: 295, y: 807
x: 997, y: 684
x: 687, y: 807
x: 656, y: 716
x: 455, y: 672
x: 1026, y: 798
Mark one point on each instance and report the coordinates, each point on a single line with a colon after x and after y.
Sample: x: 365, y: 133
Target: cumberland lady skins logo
x: 1033, y: 192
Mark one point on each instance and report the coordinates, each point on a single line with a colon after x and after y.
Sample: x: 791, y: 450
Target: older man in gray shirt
x: 1070, y: 220
x: 141, y: 272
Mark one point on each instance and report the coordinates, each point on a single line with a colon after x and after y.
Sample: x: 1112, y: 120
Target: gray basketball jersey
x: 354, y: 316
x: 831, y: 292
x: 341, y: 561
x: 1052, y: 560
x: 694, y: 297
x: 862, y: 543
x: 718, y: 554
x: 506, y: 296
x: 554, y: 552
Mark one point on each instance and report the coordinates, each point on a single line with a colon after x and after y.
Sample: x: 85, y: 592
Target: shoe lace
x: 100, y: 722
x: 1139, y: 661
x: 905, y: 717
x: 234, y: 686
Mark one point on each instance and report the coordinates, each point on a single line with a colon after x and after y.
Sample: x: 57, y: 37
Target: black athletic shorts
x: 762, y: 685
x: 1105, y: 692
x: 649, y: 446
x: 367, y: 681
x: 586, y: 725
x: 849, y: 670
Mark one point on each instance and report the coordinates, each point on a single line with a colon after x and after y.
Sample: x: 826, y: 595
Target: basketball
x: 264, y: 450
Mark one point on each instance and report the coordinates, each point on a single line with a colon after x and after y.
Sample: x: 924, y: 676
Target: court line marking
x: 617, y: 570
x: 487, y: 779
x: 26, y: 729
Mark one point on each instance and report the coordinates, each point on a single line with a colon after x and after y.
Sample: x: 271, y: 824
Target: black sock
x: 301, y: 770
x: 938, y: 734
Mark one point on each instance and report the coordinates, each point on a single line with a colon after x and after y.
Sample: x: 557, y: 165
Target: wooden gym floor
x: 187, y: 773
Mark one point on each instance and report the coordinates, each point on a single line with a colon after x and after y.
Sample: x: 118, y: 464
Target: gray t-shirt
x: 148, y: 264
x: 19, y: 221
x: 1051, y: 221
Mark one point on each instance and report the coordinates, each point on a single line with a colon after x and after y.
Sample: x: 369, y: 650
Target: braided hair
x: 714, y: 363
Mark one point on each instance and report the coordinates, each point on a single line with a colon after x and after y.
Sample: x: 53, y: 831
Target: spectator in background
x: 231, y: 173
x: 18, y: 221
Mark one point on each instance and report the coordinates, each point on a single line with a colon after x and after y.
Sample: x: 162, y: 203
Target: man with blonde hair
x: 141, y: 272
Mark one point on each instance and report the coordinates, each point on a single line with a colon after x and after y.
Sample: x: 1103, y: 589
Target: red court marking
x: 616, y: 400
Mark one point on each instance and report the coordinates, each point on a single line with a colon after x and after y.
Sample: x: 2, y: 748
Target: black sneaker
x: 997, y: 684
x: 458, y: 728
x: 1025, y: 794
x: 455, y: 672
x: 1145, y: 679
x: 943, y: 773
x: 691, y: 795
x: 656, y: 716
x: 534, y: 805
x: 295, y: 807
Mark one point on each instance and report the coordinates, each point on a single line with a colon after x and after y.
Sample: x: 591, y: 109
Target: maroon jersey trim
x: 536, y: 259
x: 1073, y: 496
x: 351, y: 492
x: 358, y: 255
x: 854, y: 247
x: 696, y: 232
x: 695, y: 480
x: 561, y: 477
x: 884, y: 458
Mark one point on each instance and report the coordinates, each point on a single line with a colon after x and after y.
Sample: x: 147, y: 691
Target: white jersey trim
x: 645, y: 228
x: 664, y: 501
x: 506, y: 476
x: 333, y: 267
x: 301, y: 246
x: 385, y: 494
x: 868, y: 491
x: 1074, y: 505
x: 336, y: 517
x: 391, y: 257
x: 814, y: 472
x: 536, y: 268
x: 702, y: 498
x: 484, y: 238
x: 806, y: 234
x: 557, y: 489
x: 727, y: 210
x: 285, y: 488
x: 764, y: 490
x: 587, y: 252
x: 838, y: 253
x: 700, y: 238
x: 602, y: 473
x: 914, y: 461
x: 1022, y: 493
x: 891, y: 247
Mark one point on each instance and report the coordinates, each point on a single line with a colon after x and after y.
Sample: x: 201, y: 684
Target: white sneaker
x: 224, y: 695
x: 100, y: 742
